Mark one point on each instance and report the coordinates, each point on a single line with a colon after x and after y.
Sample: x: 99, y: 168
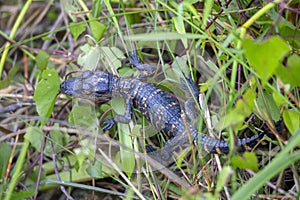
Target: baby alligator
x: 161, y: 108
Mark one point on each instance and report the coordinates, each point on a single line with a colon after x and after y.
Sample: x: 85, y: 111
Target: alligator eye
x: 87, y: 92
x: 86, y: 74
x: 101, y: 92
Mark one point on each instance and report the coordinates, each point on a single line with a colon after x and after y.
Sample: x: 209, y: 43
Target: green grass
x: 244, y: 59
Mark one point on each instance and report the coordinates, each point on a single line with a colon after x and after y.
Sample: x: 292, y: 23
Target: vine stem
x: 243, y: 30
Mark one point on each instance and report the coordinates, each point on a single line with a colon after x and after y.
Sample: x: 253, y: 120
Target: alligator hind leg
x: 191, y: 106
x: 145, y: 70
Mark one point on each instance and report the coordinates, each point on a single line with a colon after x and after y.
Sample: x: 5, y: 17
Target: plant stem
x: 17, y: 170
x: 13, y: 33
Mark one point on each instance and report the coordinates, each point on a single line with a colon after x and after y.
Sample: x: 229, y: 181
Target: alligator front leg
x: 145, y: 70
x: 124, y: 119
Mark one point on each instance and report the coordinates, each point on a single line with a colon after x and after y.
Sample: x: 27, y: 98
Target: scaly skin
x: 160, y: 108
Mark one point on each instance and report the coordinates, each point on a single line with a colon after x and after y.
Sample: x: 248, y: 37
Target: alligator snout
x: 67, y: 87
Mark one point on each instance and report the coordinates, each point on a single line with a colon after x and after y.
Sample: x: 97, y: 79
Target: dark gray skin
x: 160, y: 108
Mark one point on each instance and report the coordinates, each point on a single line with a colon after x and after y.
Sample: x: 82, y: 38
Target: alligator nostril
x: 63, y: 86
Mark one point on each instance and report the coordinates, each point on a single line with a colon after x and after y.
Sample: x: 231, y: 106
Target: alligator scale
x: 160, y: 108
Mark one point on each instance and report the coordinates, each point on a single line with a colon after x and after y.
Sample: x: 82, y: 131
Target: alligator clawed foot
x: 150, y: 148
x: 108, y: 124
x: 134, y: 59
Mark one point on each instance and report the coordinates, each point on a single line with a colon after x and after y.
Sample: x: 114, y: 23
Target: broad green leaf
x: 70, y: 7
x: 77, y: 28
x: 267, y: 107
x: 292, y: 120
x: 246, y: 161
x: 188, y: 5
x: 179, y: 69
x: 136, y: 131
x: 89, y: 59
x: 245, y: 105
x: 278, y: 98
x: 243, y: 109
x: 179, y: 66
x: 265, y: 56
x: 290, y: 74
x: 59, y: 140
x: 205, y: 86
x: 6, y: 81
x: 208, y: 4
x: 84, y: 115
x: 126, y: 149
x: 4, y: 157
x: 232, y: 119
x: 112, y: 56
x: 83, y: 154
x: 118, y: 105
x: 223, y: 177
x: 35, y: 175
x: 126, y: 71
x: 97, y: 29
x: 42, y: 59
x: 171, y: 75
x: 290, y: 33
x: 97, y: 8
x: 179, y: 24
x: 95, y: 170
x: 35, y: 137
x: 52, y: 15
x: 45, y: 93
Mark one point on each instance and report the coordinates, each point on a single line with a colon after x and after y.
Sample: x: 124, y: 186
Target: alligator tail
x: 210, y: 145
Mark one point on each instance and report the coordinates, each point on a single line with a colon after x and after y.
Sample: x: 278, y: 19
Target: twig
x: 121, y: 173
x: 62, y: 188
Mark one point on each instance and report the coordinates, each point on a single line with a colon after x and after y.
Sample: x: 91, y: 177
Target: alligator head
x: 89, y: 85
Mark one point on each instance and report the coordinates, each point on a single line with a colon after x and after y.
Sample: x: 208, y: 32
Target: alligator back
x: 162, y: 109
